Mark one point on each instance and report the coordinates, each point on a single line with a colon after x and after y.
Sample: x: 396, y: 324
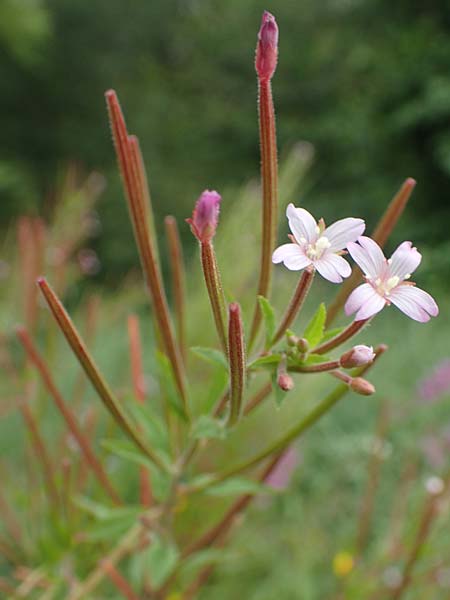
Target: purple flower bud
x: 267, y: 47
x: 357, y: 357
x: 205, y: 216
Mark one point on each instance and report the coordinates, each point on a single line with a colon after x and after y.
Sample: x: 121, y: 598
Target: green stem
x: 278, y: 445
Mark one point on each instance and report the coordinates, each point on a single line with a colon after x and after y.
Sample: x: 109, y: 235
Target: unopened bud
x: 285, y: 382
x: 267, y: 47
x: 303, y: 345
x: 362, y: 386
x: 292, y: 340
x: 357, y: 357
x: 205, y: 216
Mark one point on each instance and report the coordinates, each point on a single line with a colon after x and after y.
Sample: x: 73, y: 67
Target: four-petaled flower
x: 387, y: 282
x: 317, y: 245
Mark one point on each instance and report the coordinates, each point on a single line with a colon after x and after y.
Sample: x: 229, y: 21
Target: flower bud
x: 205, y: 216
x: 285, y: 382
x: 267, y: 47
x: 303, y: 345
x: 357, y: 357
x: 362, y: 386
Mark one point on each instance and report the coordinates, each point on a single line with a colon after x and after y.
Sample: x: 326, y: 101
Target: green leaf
x: 313, y: 359
x: 109, y: 531
x: 269, y: 361
x: 211, y: 355
x: 331, y: 333
x: 128, y: 451
x: 279, y: 394
x: 207, y: 427
x: 161, y: 559
x: 106, y: 513
x: 167, y: 385
x: 152, y: 425
x: 268, y: 314
x: 237, y: 486
x: 201, y: 559
x: 315, y: 328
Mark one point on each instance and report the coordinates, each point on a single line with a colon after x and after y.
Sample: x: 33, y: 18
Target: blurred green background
x: 366, y: 82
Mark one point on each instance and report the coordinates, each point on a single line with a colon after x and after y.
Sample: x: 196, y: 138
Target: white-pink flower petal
x: 357, y: 298
x: 365, y: 301
x: 333, y: 267
x: 302, y: 224
x: 342, y: 232
x: 414, y: 302
x: 404, y: 261
x: 292, y: 256
x: 368, y: 255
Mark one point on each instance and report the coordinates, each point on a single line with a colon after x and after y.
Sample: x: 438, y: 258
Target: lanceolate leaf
x: 161, y: 559
x: 265, y: 362
x: 207, y: 427
x: 315, y: 328
x: 268, y: 314
x: 211, y: 355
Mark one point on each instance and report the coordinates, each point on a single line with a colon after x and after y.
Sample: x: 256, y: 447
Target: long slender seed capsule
x: 295, y: 304
x: 265, y: 64
x: 133, y: 175
x: 178, y: 281
x: 380, y: 234
x: 67, y: 414
x: 77, y: 344
x: 236, y: 356
x: 213, y: 282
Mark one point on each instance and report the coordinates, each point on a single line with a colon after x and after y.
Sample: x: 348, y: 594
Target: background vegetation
x: 366, y: 82
x: 364, y: 86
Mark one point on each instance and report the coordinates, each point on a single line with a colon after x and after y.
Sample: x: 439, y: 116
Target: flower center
x: 316, y: 250
x: 385, y: 286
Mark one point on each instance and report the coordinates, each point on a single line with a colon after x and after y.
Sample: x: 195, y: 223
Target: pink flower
x: 267, y: 48
x: 386, y: 282
x: 205, y: 216
x: 358, y: 356
x: 315, y: 245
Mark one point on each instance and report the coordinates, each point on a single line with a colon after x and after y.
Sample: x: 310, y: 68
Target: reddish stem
x: 269, y: 179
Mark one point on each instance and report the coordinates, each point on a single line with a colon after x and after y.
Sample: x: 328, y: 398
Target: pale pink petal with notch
x: 414, y: 302
x: 342, y: 232
x: 357, y: 298
x: 301, y: 223
x: 368, y: 256
x: 404, y: 261
x: 292, y: 256
x: 332, y: 267
x: 371, y: 307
